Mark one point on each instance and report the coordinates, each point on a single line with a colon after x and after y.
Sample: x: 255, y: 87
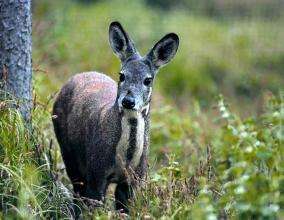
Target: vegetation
x: 210, y: 156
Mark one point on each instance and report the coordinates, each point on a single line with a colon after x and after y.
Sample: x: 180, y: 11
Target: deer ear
x: 120, y: 42
x: 164, y: 50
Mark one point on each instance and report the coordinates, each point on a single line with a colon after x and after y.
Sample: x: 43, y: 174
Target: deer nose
x: 128, y: 102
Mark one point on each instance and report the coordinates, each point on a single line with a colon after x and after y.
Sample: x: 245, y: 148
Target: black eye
x: 121, y: 77
x: 147, y: 81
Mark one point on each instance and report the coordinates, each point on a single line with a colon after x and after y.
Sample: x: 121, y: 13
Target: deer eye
x: 121, y: 77
x: 147, y: 81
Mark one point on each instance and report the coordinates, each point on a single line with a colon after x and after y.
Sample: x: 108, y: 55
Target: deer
x: 102, y: 126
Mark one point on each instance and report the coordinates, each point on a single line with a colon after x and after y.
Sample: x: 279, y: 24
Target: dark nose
x: 128, y: 102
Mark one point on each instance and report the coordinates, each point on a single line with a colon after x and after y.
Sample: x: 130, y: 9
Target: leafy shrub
x: 242, y: 178
x: 249, y: 160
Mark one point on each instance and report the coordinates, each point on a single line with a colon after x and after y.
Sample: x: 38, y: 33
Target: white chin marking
x: 130, y: 113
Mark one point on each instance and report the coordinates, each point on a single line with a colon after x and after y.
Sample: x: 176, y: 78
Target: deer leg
x: 123, y: 193
x: 73, y: 172
x: 96, y: 189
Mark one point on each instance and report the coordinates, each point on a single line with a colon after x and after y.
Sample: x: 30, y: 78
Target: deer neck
x: 131, y: 143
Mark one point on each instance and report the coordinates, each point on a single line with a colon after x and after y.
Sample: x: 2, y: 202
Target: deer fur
x: 103, y: 127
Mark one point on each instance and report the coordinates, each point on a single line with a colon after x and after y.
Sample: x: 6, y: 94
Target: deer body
x: 103, y: 128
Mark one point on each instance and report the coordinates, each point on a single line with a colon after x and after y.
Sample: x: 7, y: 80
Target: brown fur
x: 87, y: 126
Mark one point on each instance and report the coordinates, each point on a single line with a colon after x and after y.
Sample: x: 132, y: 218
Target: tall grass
x: 238, y: 174
x: 29, y: 187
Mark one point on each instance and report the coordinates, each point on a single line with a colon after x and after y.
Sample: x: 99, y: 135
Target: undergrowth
x: 238, y: 175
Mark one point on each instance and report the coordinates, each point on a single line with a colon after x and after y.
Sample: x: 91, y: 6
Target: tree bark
x: 15, y: 53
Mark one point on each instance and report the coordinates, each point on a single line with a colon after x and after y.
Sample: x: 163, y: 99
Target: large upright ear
x: 164, y: 50
x: 120, y: 42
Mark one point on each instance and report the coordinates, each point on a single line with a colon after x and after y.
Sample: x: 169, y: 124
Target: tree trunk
x: 15, y: 53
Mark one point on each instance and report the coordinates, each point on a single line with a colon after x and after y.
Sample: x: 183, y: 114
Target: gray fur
x: 101, y: 141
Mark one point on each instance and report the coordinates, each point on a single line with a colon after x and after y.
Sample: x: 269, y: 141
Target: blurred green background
x: 230, y: 47
x: 217, y: 119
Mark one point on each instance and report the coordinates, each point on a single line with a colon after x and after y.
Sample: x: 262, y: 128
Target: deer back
x: 85, y: 112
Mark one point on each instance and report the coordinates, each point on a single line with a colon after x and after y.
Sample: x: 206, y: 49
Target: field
x: 216, y: 131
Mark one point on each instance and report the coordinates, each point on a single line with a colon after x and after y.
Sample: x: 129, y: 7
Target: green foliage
x: 250, y: 159
x: 238, y: 175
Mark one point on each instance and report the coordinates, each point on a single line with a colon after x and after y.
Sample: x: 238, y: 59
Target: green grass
x: 239, y: 173
x: 208, y: 158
